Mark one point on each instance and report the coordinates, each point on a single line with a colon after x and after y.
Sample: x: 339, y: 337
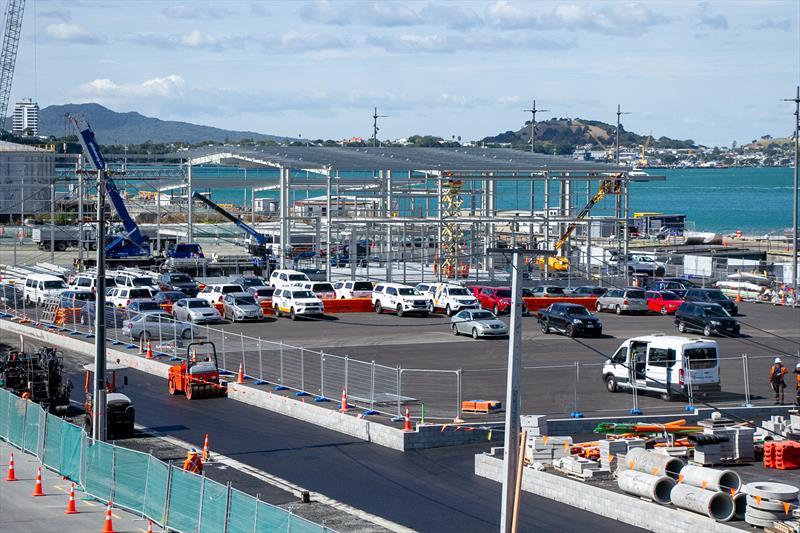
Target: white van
x: 40, y: 287
x: 665, y: 364
x: 286, y: 278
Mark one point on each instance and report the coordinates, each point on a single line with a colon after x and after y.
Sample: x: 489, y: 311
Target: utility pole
x: 99, y: 412
x: 617, y: 206
x: 619, y: 114
x: 796, y: 101
x: 375, y: 128
x: 511, y: 443
x: 533, y: 112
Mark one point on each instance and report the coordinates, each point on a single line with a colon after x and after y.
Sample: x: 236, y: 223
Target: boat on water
x: 747, y: 285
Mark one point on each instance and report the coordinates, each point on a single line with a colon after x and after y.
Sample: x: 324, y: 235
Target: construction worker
x: 797, y: 384
x: 777, y: 373
x: 193, y: 462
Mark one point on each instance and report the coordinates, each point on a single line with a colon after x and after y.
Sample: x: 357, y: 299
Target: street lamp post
x: 796, y: 101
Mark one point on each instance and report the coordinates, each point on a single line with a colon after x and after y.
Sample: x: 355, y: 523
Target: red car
x: 664, y: 302
x: 498, y: 299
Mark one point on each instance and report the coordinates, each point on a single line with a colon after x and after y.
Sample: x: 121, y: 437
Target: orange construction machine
x: 198, y: 375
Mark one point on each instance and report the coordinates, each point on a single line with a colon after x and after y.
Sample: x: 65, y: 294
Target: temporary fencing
x: 169, y: 496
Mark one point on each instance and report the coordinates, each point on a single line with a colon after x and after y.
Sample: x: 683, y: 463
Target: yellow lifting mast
x: 452, y: 235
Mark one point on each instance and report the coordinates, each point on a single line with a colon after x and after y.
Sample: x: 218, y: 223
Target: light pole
x: 796, y: 101
x: 533, y: 112
x: 99, y: 413
x: 617, y: 210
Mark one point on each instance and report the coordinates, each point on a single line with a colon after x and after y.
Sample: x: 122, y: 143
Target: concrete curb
x: 620, y: 507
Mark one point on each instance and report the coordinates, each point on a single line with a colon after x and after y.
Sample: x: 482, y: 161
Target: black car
x: 10, y: 296
x: 571, y: 319
x: 710, y: 318
x: 178, y: 281
x: 75, y: 299
x: 715, y: 296
x: 249, y: 281
x: 139, y: 306
x: 677, y: 285
x: 588, y: 290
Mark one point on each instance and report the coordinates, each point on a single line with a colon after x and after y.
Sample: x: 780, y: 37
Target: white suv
x: 284, y: 278
x: 122, y: 296
x: 353, y: 289
x: 296, y: 301
x: 400, y: 298
x: 214, y: 293
x: 453, y: 298
x: 129, y: 279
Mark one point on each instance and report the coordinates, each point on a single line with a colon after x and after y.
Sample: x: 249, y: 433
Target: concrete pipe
x: 655, y: 464
x: 739, y: 505
x: 711, y: 479
x: 656, y: 488
x: 716, y: 505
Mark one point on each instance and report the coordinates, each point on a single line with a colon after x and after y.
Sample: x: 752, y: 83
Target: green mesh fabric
x: 271, y: 518
x: 5, y: 398
x: 241, y: 518
x: 32, y: 419
x: 183, y: 513
x: 301, y: 525
x: 130, y: 478
x: 99, y: 470
x: 215, y: 505
x: 52, y: 442
x: 155, y: 493
x: 16, y: 421
x: 71, y: 444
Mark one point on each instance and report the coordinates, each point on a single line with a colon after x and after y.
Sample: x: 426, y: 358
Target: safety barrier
x: 534, y: 304
x: 67, y: 315
x: 351, y: 305
x: 169, y: 496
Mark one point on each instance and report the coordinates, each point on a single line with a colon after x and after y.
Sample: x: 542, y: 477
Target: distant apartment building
x: 26, y: 118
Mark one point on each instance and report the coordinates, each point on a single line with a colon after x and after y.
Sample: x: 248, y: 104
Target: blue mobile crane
x: 261, y: 249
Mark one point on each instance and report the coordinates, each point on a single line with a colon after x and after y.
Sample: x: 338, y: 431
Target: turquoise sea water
x: 754, y: 200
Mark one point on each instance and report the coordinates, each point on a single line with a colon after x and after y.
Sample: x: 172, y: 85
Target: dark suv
x: 707, y: 317
x: 711, y: 296
x: 572, y: 319
x: 676, y: 285
x: 178, y: 281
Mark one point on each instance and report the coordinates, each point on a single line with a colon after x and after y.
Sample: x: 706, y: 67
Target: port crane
x: 560, y: 263
x: 643, y: 158
x: 8, y: 56
x: 131, y: 244
x: 261, y: 248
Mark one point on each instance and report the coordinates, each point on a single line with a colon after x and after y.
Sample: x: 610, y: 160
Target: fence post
x: 399, y: 388
x: 634, y: 393
x: 260, y: 363
x: 746, y: 374
x: 224, y: 364
x: 689, y: 390
x: 160, y: 336
x: 459, y: 376
x: 281, y: 365
x: 169, y: 492
x: 113, y: 494
x: 244, y: 364
x: 42, y: 434
x: 255, y: 514
x: 372, y: 387
x: 227, y: 510
x: 346, y: 371
x: 322, y: 374
x: 302, y: 370
x: 202, y: 497
x: 576, y: 413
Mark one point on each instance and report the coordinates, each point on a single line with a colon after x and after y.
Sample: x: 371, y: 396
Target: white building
x: 26, y: 118
x: 26, y: 173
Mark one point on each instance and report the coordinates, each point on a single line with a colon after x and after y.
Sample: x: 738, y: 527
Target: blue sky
x: 710, y: 71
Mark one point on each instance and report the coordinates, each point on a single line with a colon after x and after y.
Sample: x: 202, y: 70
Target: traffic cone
x: 240, y: 374
x: 149, y: 526
x: 109, y: 525
x: 71, y: 505
x: 738, y: 297
x: 205, y: 449
x: 407, y: 425
x: 343, y: 408
x: 149, y: 354
x: 37, y: 490
x: 11, y: 475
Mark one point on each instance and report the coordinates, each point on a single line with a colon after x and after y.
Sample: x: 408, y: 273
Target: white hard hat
x: 777, y: 360
x: 797, y: 365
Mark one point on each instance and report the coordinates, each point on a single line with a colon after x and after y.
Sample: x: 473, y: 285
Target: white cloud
x: 389, y: 14
x: 194, y: 39
x: 55, y: 14
x: 456, y: 17
x: 194, y: 11
x: 300, y: 42
x: 438, y: 43
x: 166, y: 87
x: 324, y: 12
x: 71, y: 33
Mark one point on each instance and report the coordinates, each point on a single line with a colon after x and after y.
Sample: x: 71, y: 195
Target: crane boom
x: 8, y: 55
x: 260, y: 238
x: 606, y: 187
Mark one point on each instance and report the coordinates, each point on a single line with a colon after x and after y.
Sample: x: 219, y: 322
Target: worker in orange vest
x: 777, y: 373
x: 797, y: 384
x: 193, y: 463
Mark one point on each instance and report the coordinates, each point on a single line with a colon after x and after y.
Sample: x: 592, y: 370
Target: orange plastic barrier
x: 480, y: 406
x: 219, y: 307
x: 167, y: 308
x: 266, y: 306
x: 68, y: 315
x: 534, y: 304
x: 352, y: 305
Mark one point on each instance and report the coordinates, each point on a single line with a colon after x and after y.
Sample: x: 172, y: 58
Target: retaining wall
x: 614, y: 505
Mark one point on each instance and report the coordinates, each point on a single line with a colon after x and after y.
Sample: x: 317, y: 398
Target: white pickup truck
x: 453, y: 298
x: 400, y: 298
x: 296, y: 302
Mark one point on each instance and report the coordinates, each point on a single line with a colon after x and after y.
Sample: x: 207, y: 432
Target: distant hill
x: 565, y: 134
x: 112, y: 127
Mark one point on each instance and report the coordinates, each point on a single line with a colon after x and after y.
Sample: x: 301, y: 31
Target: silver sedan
x: 195, y: 310
x: 478, y: 323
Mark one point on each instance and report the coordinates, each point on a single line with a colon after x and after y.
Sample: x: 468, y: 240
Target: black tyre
x: 618, y: 310
x: 611, y: 384
x: 681, y: 326
x: 707, y: 331
x: 447, y: 310
x: 292, y: 314
x: 570, y: 330
x: 475, y: 333
x: 496, y: 310
x: 378, y: 307
x: 186, y: 334
x: 663, y: 310
x: 598, y: 307
x: 400, y: 310
x: 455, y: 330
x: 545, y: 327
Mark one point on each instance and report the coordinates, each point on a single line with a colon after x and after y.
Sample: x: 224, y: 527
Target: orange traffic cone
x: 11, y: 475
x: 407, y: 425
x: 343, y: 408
x: 205, y: 449
x: 37, y: 490
x: 109, y: 526
x: 240, y: 374
x: 738, y: 297
x: 149, y: 526
x: 71, y: 505
x: 149, y: 354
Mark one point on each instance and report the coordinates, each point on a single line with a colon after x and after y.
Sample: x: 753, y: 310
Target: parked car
x: 664, y: 364
x: 11, y: 296
x: 137, y: 307
x: 677, y: 285
x: 114, y: 315
x: 478, y: 323
x: 213, y: 293
x: 400, y: 298
x: 127, y: 279
x: 426, y: 289
x: 261, y: 294
x: 498, y: 299
x: 296, y: 302
x: 640, y: 264
x: 284, y: 277
x: 710, y: 318
x: 664, y: 302
x: 40, y: 287
x: 322, y: 289
x: 75, y: 299
x: 178, y: 281
x: 87, y: 282
x: 547, y: 291
x: 588, y: 291
x: 157, y: 326
x: 454, y: 298
x: 238, y: 306
x: 629, y: 300
x: 712, y: 296
x: 196, y: 311
x: 122, y: 296
x: 570, y: 319
x: 166, y: 299
x: 352, y: 289
x: 249, y: 281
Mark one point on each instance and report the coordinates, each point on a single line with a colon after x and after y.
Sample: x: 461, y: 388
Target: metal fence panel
x: 155, y: 492
x: 271, y: 518
x: 16, y: 421
x: 298, y: 524
x: 242, y: 515
x: 5, y: 402
x: 183, y: 512
x: 52, y: 442
x: 100, y: 470
x: 130, y: 468
x: 32, y: 418
x: 333, y: 376
x: 72, y: 439
x: 433, y: 391
x: 213, y: 514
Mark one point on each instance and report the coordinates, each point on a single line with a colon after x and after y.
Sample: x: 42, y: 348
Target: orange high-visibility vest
x: 776, y: 373
x: 193, y: 463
